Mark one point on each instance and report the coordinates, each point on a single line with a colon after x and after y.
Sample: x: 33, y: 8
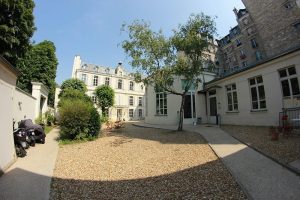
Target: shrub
x: 104, y: 118
x: 49, y: 116
x: 73, y: 94
x: 75, y: 84
x: 78, y: 119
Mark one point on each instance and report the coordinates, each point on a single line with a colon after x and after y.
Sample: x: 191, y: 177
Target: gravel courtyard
x: 142, y: 163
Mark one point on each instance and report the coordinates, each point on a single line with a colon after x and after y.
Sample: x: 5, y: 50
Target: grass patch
x: 67, y: 142
x: 48, y: 128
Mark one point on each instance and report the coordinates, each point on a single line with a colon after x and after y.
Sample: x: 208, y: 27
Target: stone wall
x: 274, y: 23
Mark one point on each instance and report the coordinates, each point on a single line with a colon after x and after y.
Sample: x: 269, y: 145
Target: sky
x: 92, y: 28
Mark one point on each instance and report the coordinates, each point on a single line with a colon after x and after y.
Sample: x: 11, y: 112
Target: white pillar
x: 40, y: 92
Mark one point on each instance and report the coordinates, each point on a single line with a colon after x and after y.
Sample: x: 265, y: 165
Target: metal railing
x: 290, y: 116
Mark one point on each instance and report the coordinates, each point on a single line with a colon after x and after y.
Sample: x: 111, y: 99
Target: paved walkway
x: 30, y: 177
x: 259, y: 176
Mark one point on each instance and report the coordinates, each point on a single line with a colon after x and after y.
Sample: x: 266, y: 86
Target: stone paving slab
x: 30, y: 177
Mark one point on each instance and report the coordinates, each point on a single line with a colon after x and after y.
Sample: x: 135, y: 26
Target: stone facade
x: 266, y: 28
x: 276, y: 22
x: 129, y: 95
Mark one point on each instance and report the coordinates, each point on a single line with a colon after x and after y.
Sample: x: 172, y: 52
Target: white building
x: 129, y: 95
x: 257, y: 94
x: 163, y: 108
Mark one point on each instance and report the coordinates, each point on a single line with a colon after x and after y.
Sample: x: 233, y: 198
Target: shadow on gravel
x: 159, y: 135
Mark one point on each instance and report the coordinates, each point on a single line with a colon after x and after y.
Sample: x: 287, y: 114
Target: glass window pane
x: 292, y: 71
x: 229, y: 98
x: 235, y: 106
x: 262, y: 104
x: 228, y: 88
x: 252, y: 81
x: 259, y: 79
x: 254, y: 94
x: 233, y: 86
x: 261, y: 92
x: 285, y: 88
x: 165, y: 112
x: 295, y: 86
x: 230, y: 107
x: 255, y: 105
x: 235, y: 97
x: 282, y: 73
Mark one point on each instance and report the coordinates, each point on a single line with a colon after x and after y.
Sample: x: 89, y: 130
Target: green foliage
x: 105, y: 97
x: 39, y: 119
x: 161, y: 59
x: 78, y: 120
x: 49, y: 117
x: 104, y: 119
x: 16, y: 28
x: 39, y: 64
x: 75, y: 84
x: 73, y: 94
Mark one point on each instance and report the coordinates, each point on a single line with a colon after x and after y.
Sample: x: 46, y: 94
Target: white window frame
x: 161, y: 107
x: 95, y: 81
x: 131, y: 85
x: 94, y: 99
x: 140, y: 113
x: 84, y: 78
x: 130, y: 113
x: 120, y: 81
x: 107, y: 81
x: 140, y: 101
x: 231, y: 91
x: 288, y: 78
x: 131, y: 101
x: 259, y: 99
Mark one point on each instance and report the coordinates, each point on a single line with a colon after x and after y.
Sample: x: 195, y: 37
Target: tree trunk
x: 181, y: 113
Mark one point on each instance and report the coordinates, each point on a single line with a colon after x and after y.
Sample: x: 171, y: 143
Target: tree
x: 105, y: 98
x: 16, y: 28
x: 39, y: 64
x: 158, y: 59
x: 73, y: 83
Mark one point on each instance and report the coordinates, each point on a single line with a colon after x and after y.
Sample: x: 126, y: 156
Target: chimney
x: 120, y: 63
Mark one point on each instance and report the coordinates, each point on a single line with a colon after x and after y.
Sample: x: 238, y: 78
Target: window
x: 131, y: 85
x: 289, y: 82
x: 253, y: 43
x: 140, y: 113
x: 131, y: 113
x: 289, y: 4
x: 94, y: 99
x: 297, y: 25
x: 131, y: 100
x: 95, y: 81
x: 161, y: 103
x: 246, y: 21
x: 212, y: 92
x: 257, y: 90
x: 142, y: 87
x: 245, y: 64
x: 120, y: 84
x: 232, y: 97
x: 107, y: 81
x: 242, y: 54
x: 83, y: 78
x: 140, y: 101
x: 238, y: 42
x: 258, y: 55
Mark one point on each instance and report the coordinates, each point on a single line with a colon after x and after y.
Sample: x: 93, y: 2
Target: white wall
x: 273, y: 93
x: 7, y: 89
x: 174, y: 102
x: 23, y: 106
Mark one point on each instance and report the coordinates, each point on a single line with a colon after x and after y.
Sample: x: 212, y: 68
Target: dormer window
x: 131, y: 85
x: 107, y: 70
x: 289, y: 4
